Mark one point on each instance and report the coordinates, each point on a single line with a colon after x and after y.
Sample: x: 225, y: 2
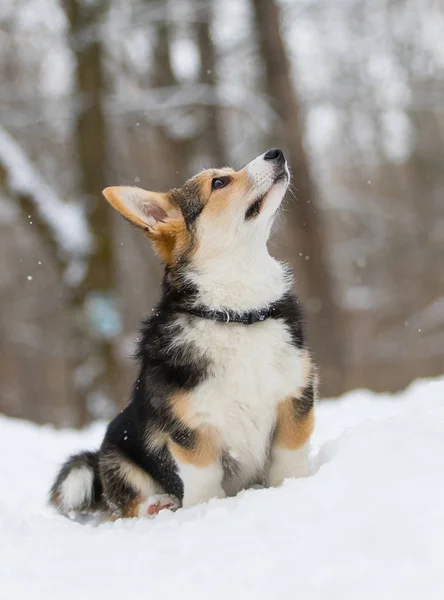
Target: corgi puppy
x: 225, y: 393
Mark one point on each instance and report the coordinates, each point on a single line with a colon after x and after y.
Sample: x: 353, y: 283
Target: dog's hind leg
x: 289, y: 455
x: 128, y: 490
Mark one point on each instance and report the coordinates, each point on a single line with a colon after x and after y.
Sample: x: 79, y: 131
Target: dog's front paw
x: 156, y: 503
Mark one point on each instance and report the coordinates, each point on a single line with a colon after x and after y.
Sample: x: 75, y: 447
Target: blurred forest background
x: 147, y: 92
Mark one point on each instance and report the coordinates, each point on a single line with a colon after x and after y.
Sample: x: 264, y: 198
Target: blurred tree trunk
x: 96, y: 371
x: 172, y: 149
x: 306, y: 240
x: 33, y: 398
x: 212, y: 133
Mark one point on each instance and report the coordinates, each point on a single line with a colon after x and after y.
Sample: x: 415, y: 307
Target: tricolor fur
x: 217, y: 407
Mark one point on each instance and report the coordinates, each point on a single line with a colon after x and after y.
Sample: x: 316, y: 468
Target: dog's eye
x: 218, y: 183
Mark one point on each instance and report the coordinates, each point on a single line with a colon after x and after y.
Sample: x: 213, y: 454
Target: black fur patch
x: 166, y: 368
x: 254, y: 209
x: 166, y: 365
x: 305, y: 402
x: 188, y: 199
x: 230, y: 466
x: 291, y: 312
x: 126, y: 437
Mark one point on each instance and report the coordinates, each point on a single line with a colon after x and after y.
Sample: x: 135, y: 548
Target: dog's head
x: 217, y: 211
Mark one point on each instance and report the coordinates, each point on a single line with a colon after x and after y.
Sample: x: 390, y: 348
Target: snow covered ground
x: 368, y: 523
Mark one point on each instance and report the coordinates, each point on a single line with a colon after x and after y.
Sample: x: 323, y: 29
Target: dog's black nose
x: 274, y: 154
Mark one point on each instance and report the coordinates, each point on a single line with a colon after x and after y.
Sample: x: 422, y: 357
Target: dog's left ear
x: 147, y: 210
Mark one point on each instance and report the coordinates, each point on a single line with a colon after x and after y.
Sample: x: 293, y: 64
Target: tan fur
x: 292, y: 433
x: 219, y: 200
x: 155, y: 440
x: 138, y: 478
x: 135, y: 476
x: 207, y: 446
x: 203, y: 453
x: 113, y: 196
x: 56, y: 498
x: 180, y: 404
x: 170, y: 240
x: 204, y: 179
x: 131, y: 510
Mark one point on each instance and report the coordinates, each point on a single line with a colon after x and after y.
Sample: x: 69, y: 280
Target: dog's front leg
x: 200, y: 468
x: 290, y: 445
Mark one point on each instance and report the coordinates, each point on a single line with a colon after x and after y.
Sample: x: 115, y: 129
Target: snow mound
x: 368, y: 523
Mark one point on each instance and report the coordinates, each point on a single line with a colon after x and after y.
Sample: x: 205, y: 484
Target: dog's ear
x: 161, y: 221
x: 147, y: 210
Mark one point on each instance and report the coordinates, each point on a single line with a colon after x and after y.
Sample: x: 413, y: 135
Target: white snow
x: 367, y: 524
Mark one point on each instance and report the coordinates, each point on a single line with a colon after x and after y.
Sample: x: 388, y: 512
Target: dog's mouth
x: 256, y: 206
x: 283, y: 175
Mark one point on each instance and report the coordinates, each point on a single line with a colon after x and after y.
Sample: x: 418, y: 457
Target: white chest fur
x: 253, y: 368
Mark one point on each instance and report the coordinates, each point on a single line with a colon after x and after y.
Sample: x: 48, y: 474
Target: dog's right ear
x: 147, y: 210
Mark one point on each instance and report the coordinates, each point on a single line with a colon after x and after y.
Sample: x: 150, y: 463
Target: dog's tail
x: 78, y: 488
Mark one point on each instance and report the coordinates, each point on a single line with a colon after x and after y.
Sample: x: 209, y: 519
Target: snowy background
x: 368, y: 523
x: 104, y: 92
x: 98, y: 93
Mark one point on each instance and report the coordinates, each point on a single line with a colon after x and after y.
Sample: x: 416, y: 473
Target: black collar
x: 248, y: 317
